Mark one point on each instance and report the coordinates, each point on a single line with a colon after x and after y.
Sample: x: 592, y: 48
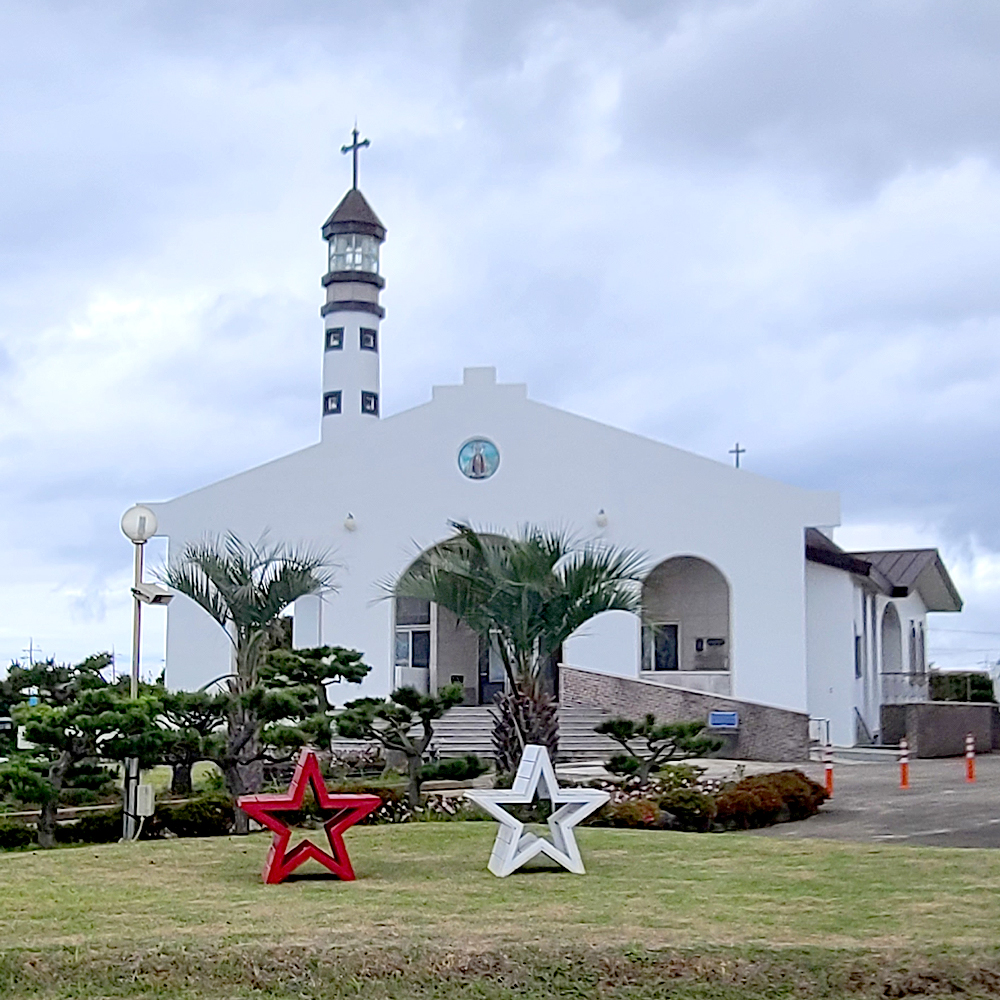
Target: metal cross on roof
x: 353, y: 148
x: 737, y: 451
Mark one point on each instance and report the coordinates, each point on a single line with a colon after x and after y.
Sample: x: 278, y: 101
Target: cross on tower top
x: 737, y: 451
x: 353, y: 148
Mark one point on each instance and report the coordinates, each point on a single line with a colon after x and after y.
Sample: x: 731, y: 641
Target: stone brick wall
x: 765, y: 733
x: 938, y: 728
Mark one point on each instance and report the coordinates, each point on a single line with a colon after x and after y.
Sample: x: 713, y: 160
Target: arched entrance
x: 432, y: 649
x: 892, y: 642
x: 686, y: 639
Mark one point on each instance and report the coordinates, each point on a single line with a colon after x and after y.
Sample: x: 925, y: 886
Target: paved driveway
x: 939, y: 809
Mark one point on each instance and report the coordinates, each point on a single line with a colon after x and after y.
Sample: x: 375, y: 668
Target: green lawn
x: 70, y: 918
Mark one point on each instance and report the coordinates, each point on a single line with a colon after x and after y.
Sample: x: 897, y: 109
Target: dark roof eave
x: 838, y: 560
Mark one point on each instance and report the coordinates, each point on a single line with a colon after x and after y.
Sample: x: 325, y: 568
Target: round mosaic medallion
x: 478, y: 458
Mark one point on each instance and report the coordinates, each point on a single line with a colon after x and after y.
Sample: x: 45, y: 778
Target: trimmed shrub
x: 671, y: 777
x: 749, y: 808
x: 454, y: 769
x: 764, y: 799
x: 92, y: 828
x: 205, y: 816
x: 15, y: 835
x: 802, y: 795
x: 633, y: 813
x: 623, y: 764
x: 961, y: 687
x: 393, y: 809
x: 690, y: 809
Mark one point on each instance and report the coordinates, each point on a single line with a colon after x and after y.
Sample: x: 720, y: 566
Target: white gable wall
x: 609, y: 643
x: 830, y: 602
x: 399, y: 478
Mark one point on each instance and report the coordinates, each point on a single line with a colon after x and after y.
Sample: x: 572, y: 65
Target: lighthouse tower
x: 352, y: 313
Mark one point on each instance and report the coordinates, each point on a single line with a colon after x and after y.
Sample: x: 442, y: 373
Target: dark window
x: 857, y: 656
x: 331, y: 402
x: 369, y: 403
x: 335, y: 339
x: 412, y: 611
x: 665, y: 638
x: 659, y: 647
x: 369, y: 339
x: 421, y: 656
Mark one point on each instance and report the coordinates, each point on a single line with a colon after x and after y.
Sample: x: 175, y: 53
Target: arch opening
x: 686, y: 631
x: 892, y: 642
x: 432, y: 648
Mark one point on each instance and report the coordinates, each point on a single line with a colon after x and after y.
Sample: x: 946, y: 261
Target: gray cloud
x: 766, y: 220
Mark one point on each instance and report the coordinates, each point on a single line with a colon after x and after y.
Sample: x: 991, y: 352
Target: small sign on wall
x: 723, y: 720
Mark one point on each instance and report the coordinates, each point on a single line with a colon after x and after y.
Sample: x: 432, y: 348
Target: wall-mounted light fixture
x: 349, y: 523
x: 602, y: 519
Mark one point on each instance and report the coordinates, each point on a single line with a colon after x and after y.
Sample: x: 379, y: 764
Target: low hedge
x: 635, y: 813
x: 394, y: 808
x: 765, y: 799
x: 206, y: 816
x: 678, y: 802
x: 14, y: 835
x: 454, y: 769
x: 689, y: 809
x: 92, y: 828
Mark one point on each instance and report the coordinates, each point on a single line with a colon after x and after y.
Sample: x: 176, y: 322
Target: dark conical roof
x: 354, y: 215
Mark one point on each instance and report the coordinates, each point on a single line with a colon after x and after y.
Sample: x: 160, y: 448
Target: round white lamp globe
x: 139, y: 524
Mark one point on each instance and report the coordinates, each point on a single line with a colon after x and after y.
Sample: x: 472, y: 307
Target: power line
x: 965, y: 649
x: 964, y: 631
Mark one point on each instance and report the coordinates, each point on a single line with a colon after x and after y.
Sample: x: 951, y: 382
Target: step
x: 469, y: 729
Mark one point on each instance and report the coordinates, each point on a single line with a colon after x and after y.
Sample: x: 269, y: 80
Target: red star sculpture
x: 346, y: 810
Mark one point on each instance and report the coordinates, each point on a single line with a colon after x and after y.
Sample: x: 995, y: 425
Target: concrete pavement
x: 939, y: 809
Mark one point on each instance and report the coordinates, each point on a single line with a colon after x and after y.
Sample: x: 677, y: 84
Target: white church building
x: 747, y: 597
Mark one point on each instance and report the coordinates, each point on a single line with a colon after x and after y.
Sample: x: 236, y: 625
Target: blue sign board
x: 723, y: 720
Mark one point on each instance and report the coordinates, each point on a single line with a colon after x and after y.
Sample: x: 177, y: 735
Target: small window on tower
x: 331, y: 402
x: 335, y: 339
x: 369, y: 403
x: 369, y: 339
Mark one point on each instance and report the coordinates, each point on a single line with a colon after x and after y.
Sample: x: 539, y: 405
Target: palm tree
x: 527, y: 595
x: 245, y: 587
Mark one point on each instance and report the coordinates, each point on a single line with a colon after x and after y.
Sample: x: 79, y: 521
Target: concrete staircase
x: 468, y: 729
x: 462, y: 730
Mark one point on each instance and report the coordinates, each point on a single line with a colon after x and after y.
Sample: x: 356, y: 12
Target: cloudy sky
x: 776, y: 221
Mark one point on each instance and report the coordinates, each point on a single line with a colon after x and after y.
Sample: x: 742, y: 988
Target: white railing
x: 905, y: 689
x: 819, y: 730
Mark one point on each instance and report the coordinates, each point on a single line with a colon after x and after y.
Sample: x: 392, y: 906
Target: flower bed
x: 680, y: 798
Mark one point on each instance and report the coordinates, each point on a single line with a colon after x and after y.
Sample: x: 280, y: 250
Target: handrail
x: 859, y: 720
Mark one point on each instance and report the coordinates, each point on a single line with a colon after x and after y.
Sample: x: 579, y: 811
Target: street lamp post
x: 138, y: 525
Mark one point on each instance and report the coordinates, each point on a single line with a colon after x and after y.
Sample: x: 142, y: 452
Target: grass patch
x: 324, y: 973
x: 191, y: 919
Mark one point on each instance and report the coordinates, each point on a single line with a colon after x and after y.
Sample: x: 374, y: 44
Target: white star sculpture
x: 513, y: 847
